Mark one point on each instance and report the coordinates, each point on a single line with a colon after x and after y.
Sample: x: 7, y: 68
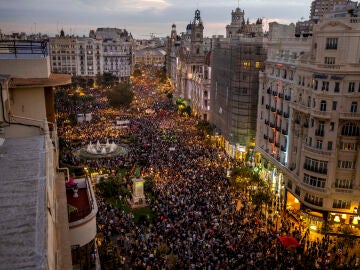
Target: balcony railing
x: 273, y: 109
x: 283, y: 148
x: 267, y: 106
x: 288, y: 98
x: 272, y: 125
x: 269, y: 91
x: 280, y: 112
x: 271, y: 140
x: 266, y: 137
x: 281, y: 95
x: 284, y: 131
x: 275, y: 93
x: 278, y: 128
x: 23, y: 47
x: 266, y: 122
x: 277, y: 145
x: 286, y: 115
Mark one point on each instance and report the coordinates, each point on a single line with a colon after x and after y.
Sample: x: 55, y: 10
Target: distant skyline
x: 141, y: 17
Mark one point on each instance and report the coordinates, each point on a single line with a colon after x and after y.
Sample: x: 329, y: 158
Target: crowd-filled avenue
x: 199, y: 219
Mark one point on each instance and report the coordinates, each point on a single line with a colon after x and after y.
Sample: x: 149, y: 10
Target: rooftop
x: 23, y: 203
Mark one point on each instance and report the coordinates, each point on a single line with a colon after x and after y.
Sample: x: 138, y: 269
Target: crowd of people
x: 202, y: 222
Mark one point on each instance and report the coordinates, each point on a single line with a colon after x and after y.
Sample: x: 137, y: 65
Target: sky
x: 142, y: 18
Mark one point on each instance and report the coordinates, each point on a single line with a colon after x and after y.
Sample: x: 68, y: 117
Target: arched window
x: 350, y: 129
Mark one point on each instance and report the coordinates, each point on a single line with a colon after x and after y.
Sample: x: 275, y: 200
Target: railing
x: 284, y: 132
x: 275, y: 93
x: 273, y: 109
x: 266, y: 122
x: 280, y: 112
x: 21, y: 47
x: 266, y: 137
x: 272, y: 125
x: 316, y: 150
x: 267, y: 106
x: 283, y: 148
x: 286, y: 115
x: 268, y: 91
x: 271, y: 140
x: 277, y: 145
x: 288, y: 98
x: 281, y: 95
x: 349, y: 115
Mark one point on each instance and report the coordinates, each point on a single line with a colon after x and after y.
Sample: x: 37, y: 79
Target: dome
x: 188, y: 27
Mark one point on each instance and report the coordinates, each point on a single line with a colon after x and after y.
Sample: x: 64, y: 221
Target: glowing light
x: 355, y: 221
x: 337, y: 219
x: 296, y: 200
x: 343, y: 216
x: 313, y: 227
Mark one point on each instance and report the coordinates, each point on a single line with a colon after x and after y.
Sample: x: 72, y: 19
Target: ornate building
x: 191, y: 61
x: 308, y: 126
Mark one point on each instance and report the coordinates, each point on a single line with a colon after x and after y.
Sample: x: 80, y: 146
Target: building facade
x: 188, y: 67
x: 106, y: 50
x: 312, y: 152
x: 236, y: 61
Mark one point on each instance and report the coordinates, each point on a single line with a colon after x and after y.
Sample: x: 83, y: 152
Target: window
x: 257, y: 64
x: 341, y: 204
x: 343, y: 183
x: 334, y: 104
x: 325, y: 86
x: 353, y: 108
x: 329, y: 147
x: 331, y: 43
x: 316, y: 83
x: 350, y: 129
x: 262, y: 100
x: 337, y: 87
x: 313, y: 199
x: 346, y: 164
x: 332, y: 125
x: 329, y: 61
x: 348, y: 146
x: 297, y: 190
x: 314, y: 165
x: 319, y: 144
x: 314, y: 181
x: 323, y: 105
x: 351, y: 87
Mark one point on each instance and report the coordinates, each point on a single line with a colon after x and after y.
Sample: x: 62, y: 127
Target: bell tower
x: 197, y: 32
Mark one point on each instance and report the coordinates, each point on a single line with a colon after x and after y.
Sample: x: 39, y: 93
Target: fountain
x: 100, y: 150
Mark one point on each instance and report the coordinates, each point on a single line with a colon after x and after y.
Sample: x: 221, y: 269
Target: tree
x: 121, y: 95
x: 137, y: 72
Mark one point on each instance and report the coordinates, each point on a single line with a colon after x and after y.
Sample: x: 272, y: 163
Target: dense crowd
x: 202, y: 221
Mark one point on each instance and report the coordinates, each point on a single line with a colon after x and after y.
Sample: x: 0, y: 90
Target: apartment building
x: 38, y: 231
x: 308, y: 124
x: 106, y: 50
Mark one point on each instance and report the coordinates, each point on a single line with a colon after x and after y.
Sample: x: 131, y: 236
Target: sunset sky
x: 140, y: 17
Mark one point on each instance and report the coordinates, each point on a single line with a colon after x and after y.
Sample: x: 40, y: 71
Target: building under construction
x: 236, y: 62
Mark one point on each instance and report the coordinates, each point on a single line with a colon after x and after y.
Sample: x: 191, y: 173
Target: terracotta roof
x: 53, y: 80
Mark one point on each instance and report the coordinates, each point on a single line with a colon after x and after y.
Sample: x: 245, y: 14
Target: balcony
x: 281, y: 95
x: 319, y: 132
x: 350, y: 116
x: 272, y: 125
x: 266, y: 122
x: 284, y: 131
x: 271, y: 140
x: 275, y: 93
x: 23, y: 49
x: 280, y: 112
x: 287, y: 98
x: 267, y: 106
x: 278, y: 128
x: 266, y: 137
x: 82, y: 209
x: 315, y: 169
x: 277, y: 145
x: 314, y: 150
x: 306, y: 125
x: 268, y: 91
x: 273, y: 109
x: 283, y: 148
x: 286, y: 115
